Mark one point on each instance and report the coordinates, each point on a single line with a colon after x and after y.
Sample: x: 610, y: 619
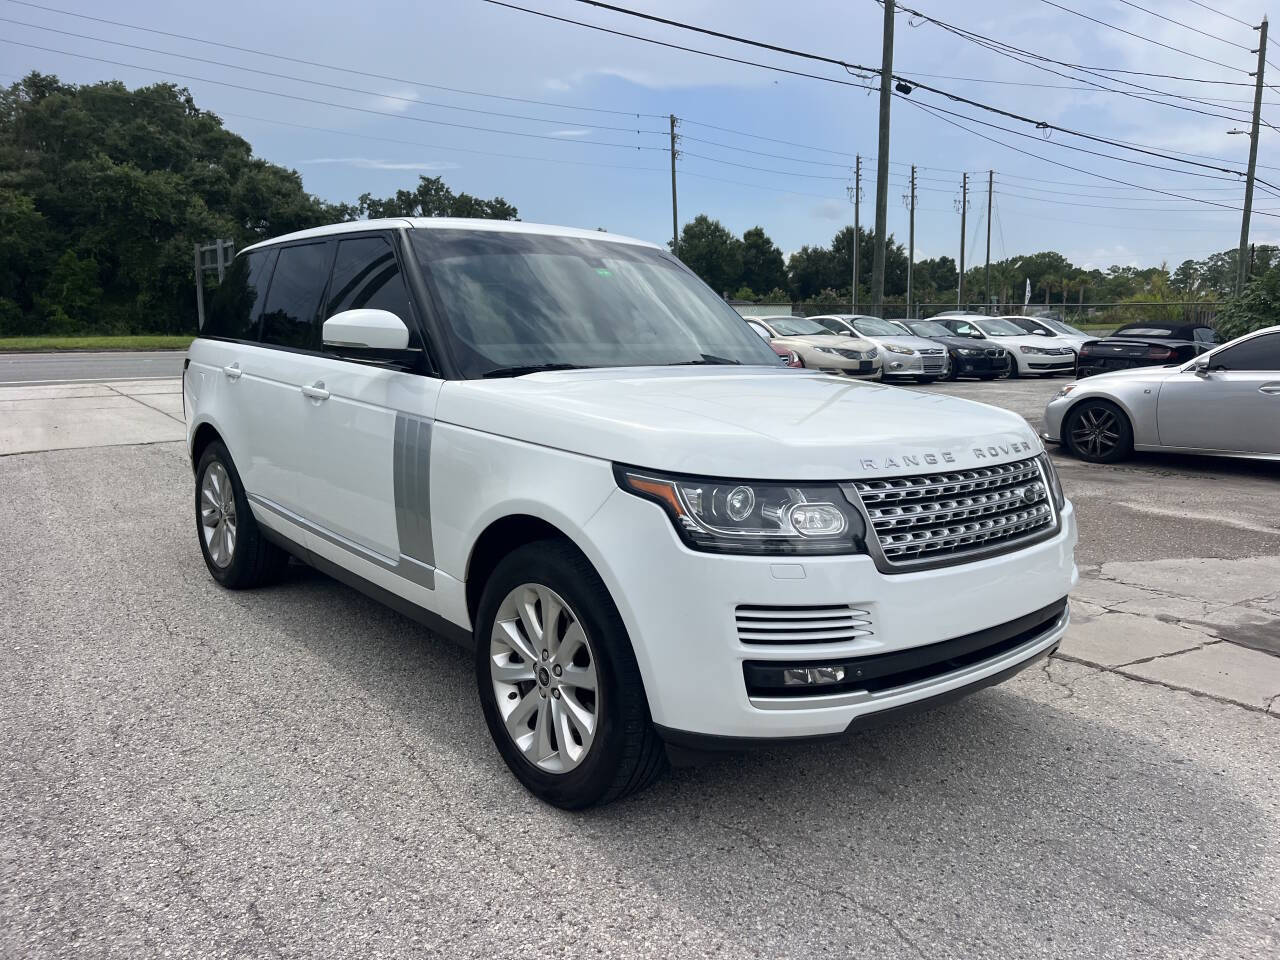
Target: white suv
x: 562, y: 449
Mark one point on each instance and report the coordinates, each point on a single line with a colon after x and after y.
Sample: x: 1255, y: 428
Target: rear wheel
x: 558, y: 681
x: 1098, y: 431
x: 234, y: 550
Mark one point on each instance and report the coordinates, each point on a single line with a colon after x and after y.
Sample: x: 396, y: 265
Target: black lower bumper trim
x: 685, y: 745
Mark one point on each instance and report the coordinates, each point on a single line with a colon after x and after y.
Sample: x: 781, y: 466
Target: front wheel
x: 236, y: 553
x: 558, y: 681
x: 1098, y: 431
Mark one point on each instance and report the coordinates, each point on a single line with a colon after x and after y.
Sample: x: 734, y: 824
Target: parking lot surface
x: 299, y: 772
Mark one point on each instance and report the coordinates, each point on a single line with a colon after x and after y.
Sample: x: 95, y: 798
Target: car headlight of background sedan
x: 969, y: 352
x: 831, y: 350
x: 895, y: 348
x: 1039, y: 351
x: 730, y: 516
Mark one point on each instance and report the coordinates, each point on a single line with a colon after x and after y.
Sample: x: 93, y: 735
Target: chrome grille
x: 933, y: 361
x: 937, y: 516
x: 791, y: 625
x: 995, y: 353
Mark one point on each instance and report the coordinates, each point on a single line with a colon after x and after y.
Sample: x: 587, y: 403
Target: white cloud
x: 369, y: 163
x: 579, y: 132
x: 395, y: 101
x: 831, y: 210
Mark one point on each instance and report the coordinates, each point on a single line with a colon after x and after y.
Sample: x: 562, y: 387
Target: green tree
x: 433, y: 198
x: 1256, y: 307
x: 762, y: 264
x: 712, y: 252
x: 71, y: 296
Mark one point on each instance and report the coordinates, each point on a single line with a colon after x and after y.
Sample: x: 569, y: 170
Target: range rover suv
x: 563, y: 450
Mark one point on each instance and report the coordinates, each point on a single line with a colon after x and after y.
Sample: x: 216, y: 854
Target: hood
x: 965, y: 343
x: 756, y: 423
x: 821, y: 340
x: 907, y: 340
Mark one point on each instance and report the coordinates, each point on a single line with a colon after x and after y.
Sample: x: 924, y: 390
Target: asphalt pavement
x: 76, y: 367
x: 299, y: 772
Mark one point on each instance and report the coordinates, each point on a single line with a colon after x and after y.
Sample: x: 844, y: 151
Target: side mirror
x: 371, y: 336
x: 1201, y: 367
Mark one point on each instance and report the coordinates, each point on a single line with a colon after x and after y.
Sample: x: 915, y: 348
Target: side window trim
x: 330, y: 249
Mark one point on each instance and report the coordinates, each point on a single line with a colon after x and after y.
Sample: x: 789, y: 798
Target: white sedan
x: 1033, y: 355
x: 1225, y: 402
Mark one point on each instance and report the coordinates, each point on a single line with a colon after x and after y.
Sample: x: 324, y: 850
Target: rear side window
x: 1260, y: 353
x: 234, y: 307
x: 1206, y: 335
x: 366, y: 275
x: 289, y: 317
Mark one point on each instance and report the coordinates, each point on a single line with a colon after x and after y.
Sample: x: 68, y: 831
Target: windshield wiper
x: 706, y: 359
x: 531, y: 368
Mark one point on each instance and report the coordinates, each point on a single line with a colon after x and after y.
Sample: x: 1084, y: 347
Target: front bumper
x: 1055, y: 412
x: 843, y: 366
x: 904, y: 365
x: 978, y: 366
x: 680, y: 609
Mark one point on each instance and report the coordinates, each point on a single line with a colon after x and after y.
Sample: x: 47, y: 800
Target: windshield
x: 1064, y: 328
x: 996, y: 327
x: 1140, y: 331
x: 927, y: 328
x: 1036, y: 325
x: 875, y: 327
x: 514, y: 301
x: 799, y: 327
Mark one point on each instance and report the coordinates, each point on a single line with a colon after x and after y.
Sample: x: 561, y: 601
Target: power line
x: 325, y: 66
x: 336, y: 86
x: 1181, y: 211
x: 852, y: 67
x: 1186, y: 26
x: 1205, y: 6
x: 676, y: 46
x: 328, y: 103
x: 936, y: 112
x: 1138, y: 36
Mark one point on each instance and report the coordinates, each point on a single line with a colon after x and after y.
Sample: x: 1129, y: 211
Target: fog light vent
x: 838, y: 623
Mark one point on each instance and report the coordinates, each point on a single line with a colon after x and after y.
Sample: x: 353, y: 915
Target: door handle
x: 1273, y: 389
x: 233, y: 371
x: 316, y: 391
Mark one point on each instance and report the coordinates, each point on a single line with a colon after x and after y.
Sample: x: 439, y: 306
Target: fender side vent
x: 837, y: 623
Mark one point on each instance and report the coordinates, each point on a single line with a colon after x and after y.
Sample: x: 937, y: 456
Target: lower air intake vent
x: 827, y: 624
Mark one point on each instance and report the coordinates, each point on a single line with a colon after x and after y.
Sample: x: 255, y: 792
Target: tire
x: 621, y: 754
x: 1014, y: 373
x: 953, y: 371
x: 1080, y: 426
x: 234, y: 549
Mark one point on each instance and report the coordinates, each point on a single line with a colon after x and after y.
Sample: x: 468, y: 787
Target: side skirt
x: 432, y: 621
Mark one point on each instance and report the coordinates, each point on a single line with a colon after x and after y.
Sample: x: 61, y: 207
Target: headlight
x: 1055, y: 484
x: 969, y: 352
x: 728, y: 516
x: 831, y: 350
x: 1037, y: 350
x: 1065, y: 390
x: 894, y: 348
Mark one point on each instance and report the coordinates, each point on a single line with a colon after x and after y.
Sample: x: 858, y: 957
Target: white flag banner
x: 1027, y: 297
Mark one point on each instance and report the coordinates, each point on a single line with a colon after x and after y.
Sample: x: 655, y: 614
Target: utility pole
x: 991, y: 175
x: 857, y: 196
x: 882, y: 164
x: 1242, y: 268
x: 911, y: 241
x: 964, y: 207
x: 675, y: 219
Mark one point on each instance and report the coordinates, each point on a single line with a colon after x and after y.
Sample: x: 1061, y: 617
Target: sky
x: 594, y: 151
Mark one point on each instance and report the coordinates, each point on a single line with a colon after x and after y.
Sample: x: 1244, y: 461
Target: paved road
x: 81, y: 367
x: 299, y: 772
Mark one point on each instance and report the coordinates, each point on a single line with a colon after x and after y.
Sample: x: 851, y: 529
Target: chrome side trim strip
x: 423, y: 574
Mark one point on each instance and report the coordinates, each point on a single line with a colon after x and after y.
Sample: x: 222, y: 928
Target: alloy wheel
x: 1095, y: 431
x: 218, y: 515
x: 544, y: 678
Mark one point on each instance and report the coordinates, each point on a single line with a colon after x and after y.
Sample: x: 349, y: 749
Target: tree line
x: 105, y: 190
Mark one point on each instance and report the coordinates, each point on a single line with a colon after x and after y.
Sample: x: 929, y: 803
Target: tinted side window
x: 234, y: 306
x: 293, y: 300
x: 366, y: 275
x: 764, y: 334
x: 1206, y: 335
x: 1260, y: 353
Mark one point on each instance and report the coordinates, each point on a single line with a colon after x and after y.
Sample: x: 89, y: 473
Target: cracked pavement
x: 299, y: 772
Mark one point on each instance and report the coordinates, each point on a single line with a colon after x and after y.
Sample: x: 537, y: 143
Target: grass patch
x: 139, y: 342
